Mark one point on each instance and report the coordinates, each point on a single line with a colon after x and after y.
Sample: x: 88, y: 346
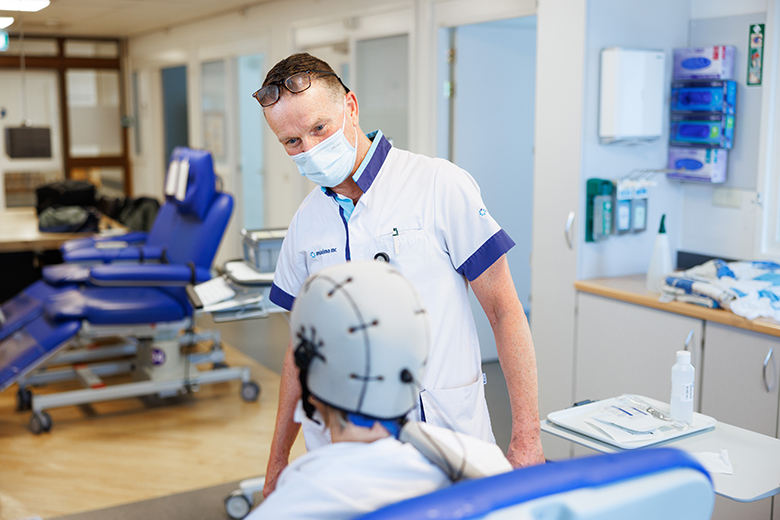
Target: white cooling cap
x: 369, y: 329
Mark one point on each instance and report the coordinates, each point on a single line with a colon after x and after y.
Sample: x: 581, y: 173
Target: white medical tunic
x: 347, y: 479
x: 427, y: 216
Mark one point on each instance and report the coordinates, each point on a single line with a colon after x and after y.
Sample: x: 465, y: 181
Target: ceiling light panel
x: 30, y: 6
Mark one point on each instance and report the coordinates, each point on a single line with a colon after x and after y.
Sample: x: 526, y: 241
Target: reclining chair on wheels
x: 145, y: 302
x: 638, y: 485
x: 127, y: 246
x: 134, y: 247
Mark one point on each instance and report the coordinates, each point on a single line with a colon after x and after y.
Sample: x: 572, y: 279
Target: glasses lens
x: 268, y: 95
x: 298, y: 82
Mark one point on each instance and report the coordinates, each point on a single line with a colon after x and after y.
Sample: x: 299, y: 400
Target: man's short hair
x: 301, y: 62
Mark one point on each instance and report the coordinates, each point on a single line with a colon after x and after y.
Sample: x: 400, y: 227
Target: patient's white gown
x: 346, y: 479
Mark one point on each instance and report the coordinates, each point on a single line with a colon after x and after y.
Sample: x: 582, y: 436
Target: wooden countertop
x: 19, y: 232
x: 631, y: 289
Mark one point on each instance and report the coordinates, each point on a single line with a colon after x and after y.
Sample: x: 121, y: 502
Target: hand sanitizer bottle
x: 682, y: 388
x: 661, y: 261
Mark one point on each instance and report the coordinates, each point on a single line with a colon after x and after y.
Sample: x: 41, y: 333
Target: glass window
x: 214, y: 93
x: 93, y: 113
x: 109, y: 181
x: 87, y: 49
x: 32, y: 47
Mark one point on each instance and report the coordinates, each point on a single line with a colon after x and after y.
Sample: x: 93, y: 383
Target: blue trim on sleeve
x: 486, y: 255
x: 281, y: 298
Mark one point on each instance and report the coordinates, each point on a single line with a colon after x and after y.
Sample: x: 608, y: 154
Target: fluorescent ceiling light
x: 30, y: 6
x: 5, y: 21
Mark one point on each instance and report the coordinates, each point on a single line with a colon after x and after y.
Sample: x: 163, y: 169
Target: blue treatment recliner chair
x: 136, y: 247
x: 638, y: 485
x: 145, y: 302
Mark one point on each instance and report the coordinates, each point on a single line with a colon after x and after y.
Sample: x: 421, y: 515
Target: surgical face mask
x: 331, y: 161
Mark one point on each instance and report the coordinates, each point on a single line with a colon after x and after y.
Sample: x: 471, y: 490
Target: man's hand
x: 522, y: 453
x: 272, y: 473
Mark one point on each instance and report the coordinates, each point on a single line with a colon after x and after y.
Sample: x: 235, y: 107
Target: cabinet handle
x: 766, y: 364
x: 567, y: 230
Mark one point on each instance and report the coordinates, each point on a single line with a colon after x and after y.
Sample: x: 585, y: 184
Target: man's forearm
x: 518, y: 362
x: 496, y: 293
x: 285, y: 429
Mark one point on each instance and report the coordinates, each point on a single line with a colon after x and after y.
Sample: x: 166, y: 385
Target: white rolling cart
x: 754, y: 457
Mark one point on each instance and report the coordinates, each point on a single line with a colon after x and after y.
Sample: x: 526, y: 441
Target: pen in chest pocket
x: 395, y: 240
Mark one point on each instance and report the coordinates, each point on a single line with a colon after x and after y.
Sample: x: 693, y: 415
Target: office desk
x: 755, y: 458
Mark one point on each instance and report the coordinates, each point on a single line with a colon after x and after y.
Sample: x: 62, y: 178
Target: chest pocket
x: 407, y: 250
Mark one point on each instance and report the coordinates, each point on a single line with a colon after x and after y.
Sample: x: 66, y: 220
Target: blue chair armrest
x: 147, y: 275
x: 127, y: 254
x: 133, y: 237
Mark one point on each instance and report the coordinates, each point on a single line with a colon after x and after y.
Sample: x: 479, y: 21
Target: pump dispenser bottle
x: 661, y: 261
x: 682, y: 388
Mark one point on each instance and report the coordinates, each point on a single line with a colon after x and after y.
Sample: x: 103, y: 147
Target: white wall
x: 277, y: 29
x: 701, y: 9
x: 646, y: 25
x: 710, y: 228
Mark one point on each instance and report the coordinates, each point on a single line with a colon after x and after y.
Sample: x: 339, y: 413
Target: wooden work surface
x: 632, y: 289
x: 19, y: 231
x: 123, y: 451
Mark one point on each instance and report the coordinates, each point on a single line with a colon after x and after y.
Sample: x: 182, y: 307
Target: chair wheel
x: 40, y: 422
x: 250, y: 391
x: 238, y: 505
x: 23, y: 400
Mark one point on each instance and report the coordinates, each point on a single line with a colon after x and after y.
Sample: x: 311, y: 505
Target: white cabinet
x: 740, y: 387
x: 627, y: 348
x: 623, y: 347
x: 736, y: 387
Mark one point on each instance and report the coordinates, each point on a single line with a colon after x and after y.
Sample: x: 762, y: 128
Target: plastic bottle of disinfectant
x: 682, y: 388
x: 661, y: 261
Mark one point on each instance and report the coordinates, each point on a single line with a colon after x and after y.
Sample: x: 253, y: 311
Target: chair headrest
x: 190, y: 182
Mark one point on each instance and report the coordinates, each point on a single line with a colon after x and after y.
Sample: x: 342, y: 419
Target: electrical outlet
x: 727, y: 198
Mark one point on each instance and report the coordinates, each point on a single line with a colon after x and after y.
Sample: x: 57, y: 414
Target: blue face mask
x: 331, y: 161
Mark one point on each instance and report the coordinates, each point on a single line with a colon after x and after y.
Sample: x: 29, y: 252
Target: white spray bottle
x: 661, y: 261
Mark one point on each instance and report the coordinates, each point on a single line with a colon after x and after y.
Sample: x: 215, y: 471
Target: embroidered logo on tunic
x: 315, y: 254
x: 482, y: 212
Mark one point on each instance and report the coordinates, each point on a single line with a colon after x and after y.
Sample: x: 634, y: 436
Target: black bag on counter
x: 139, y: 214
x: 68, y: 219
x: 65, y: 193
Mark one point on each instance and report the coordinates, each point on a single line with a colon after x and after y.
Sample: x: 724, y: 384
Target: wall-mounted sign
x: 3, y: 41
x: 755, y: 54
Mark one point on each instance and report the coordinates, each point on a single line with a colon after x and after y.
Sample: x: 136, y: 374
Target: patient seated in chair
x: 361, y: 350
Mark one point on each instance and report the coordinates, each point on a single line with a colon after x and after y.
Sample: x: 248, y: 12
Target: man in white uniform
x: 360, y: 359
x: 426, y: 218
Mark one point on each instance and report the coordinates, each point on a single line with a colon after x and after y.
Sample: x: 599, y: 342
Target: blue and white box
x: 715, y: 62
x: 702, y: 130
x: 705, y: 96
x: 698, y: 164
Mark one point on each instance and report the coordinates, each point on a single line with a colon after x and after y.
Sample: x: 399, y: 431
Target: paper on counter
x: 214, y: 291
x: 715, y: 462
x: 620, y: 435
